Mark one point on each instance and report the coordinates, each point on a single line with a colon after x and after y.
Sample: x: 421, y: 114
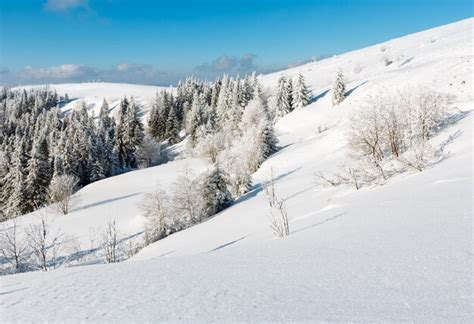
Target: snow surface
x: 398, y: 252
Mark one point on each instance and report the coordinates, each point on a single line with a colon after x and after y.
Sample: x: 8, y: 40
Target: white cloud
x: 60, y: 72
x: 65, y: 5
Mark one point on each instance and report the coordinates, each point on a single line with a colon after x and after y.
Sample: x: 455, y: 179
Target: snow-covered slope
x: 399, y: 252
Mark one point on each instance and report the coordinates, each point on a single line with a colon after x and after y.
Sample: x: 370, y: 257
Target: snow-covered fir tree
x: 215, y: 194
x: 283, y: 102
x: 301, y: 93
x: 39, y: 173
x: 339, y: 90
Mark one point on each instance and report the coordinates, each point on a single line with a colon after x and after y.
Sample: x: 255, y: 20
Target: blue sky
x: 159, y: 42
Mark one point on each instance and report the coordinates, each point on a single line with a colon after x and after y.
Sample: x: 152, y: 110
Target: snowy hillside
x: 397, y: 252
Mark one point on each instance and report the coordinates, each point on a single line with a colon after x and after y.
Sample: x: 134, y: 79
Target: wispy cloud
x: 65, y: 5
x: 60, y: 72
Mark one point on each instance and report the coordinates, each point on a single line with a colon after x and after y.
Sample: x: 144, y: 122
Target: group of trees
x: 39, y: 143
x: 228, y: 121
x: 191, y: 200
x: 289, y: 97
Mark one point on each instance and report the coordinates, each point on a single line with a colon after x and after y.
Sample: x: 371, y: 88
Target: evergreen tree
x: 216, y: 196
x: 172, y: 126
x: 301, y: 93
x: 283, y: 104
x: 39, y: 173
x: 290, y: 91
x: 339, y: 90
x: 196, y: 117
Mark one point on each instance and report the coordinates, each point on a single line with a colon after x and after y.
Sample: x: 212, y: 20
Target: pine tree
x: 339, y: 91
x: 172, y: 126
x: 157, y: 121
x: 301, y: 93
x: 121, y: 132
x: 290, y: 91
x: 283, y: 105
x: 216, y: 196
x: 224, y: 103
x: 132, y: 135
x: 39, y: 173
x: 196, y: 117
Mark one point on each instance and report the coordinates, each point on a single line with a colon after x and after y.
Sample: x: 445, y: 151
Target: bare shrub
x: 278, y: 215
x: 418, y: 156
x: 13, y: 249
x: 110, y: 243
x: 270, y: 190
x: 61, y: 192
x: 130, y: 248
x: 45, y: 243
x: 279, y: 220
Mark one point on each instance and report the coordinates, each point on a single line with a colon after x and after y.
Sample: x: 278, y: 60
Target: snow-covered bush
x: 391, y: 124
x: 61, y: 191
x: 157, y: 213
x: 186, y: 201
x: 389, y: 135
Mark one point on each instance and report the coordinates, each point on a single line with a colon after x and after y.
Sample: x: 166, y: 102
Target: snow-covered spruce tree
x: 339, y: 90
x: 196, y: 117
x: 224, y: 102
x: 129, y: 134
x: 14, y: 190
x: 282, y: 104
x: 301, y: 93
x: 106, y: 122
x: 4, y: 183
x: 158, y: 116
x: 216, y: 197
x: 39, y: 173
x: 290, y: 90
x: 172, y: 126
